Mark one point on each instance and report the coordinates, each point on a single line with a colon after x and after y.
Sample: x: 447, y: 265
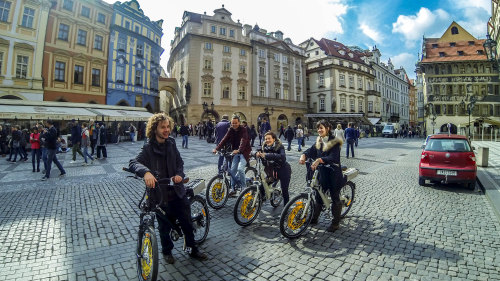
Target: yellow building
x: 76, y: 49
x: 22, y: 32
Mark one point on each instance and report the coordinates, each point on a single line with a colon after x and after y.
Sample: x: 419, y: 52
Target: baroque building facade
x: 23, y: 24
x: 75, y: 58
x: 134, y: 58
x: 223, y: 67
x: 340, y: 83
x: 455, y: 75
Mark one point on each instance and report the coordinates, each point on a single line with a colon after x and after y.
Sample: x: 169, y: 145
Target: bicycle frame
x: 268, y: 189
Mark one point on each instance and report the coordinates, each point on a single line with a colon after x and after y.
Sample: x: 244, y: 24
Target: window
x: 138, y: 77
x: 222, y: 31
x: 231, y: 33
x: 351, y: 81
x: 28, y: 16
x: 360, y: 84
x: 277, y: 74
x: 120, y: 74
x: 227, y: 66
x: 122, y: 44
x: 85, y: 12
x: 460, y: 53
x: 285, y: 94
x: 207, y: 64
x: 370, y: 106
x: 139, y: 50
x: 285, y: 76
x: 435, y: 45
x: 360, y: 106
x: 243, y: 52
x: 342, y: 104
x: 78, y: 75
x: 4, y: 10
x: 262, y: 91
x: 154, y: 82
x: 285, y: 59
x: 297, y: 79
x: 297, y: 96
x: 342, y: 80
x: 262, y: 71
x: 262, y: 54
x: 1, y: 61
x: 63, y: 32
x: 127, y: 25
x: 213, y: 29
x: 242, y: 92
x: 68, y: 5
x: 243, y: 68
x: 96, y: 77
x: 441, y: 54
x: 480, y: 52
x: 227, y: 49
x: 453, y: 44
x: 60, y: 71
x: 208, y: 46
x: 454, y: 30
x: 322, y: 104
x: 98, y: 42
x: 138, y: 101
x: 321, y: 79
x: 137, y: 29
x: 225, y: 91
x: 22, y: 66
x: 276, y: 57
x: 82, y: 37
x: 351, y: 102
x: 101, y: 18
x: 207, y: 89
x: 277, y: 93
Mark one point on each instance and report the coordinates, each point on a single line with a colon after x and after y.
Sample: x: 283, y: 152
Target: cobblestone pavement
x: 83, y: 226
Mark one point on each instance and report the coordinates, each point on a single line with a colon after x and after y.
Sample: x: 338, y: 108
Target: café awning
x: 36, y: 112
x: 121, y: 115
x: 481, y: 120
x: 374, y: 120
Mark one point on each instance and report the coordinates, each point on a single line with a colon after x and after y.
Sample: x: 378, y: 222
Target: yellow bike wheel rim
x: 215, y: 189
x: 294, y: 222
x: 247, y: 200
x: 146, y: 246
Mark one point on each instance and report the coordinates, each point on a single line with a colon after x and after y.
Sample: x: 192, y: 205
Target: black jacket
x: 51, y: 138
x: 330, y: 154
x: 162, y: 160
x: 289, y: 134
x: 275, y: 155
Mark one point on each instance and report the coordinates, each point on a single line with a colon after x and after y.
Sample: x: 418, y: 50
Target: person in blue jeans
x: 350, y: 136
x: 50, y: 144
x: 184, y: 131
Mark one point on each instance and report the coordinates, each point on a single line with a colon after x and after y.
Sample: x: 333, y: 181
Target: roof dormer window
x: 441, y: 54
x: 452, y: 44
x: 460, y: 53
x: 435, y: 45
x: 480, y: 52
x: 471, y: 43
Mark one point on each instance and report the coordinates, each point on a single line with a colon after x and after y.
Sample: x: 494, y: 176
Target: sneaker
x: 62, y: 174
x: 38, y: 170
x: 33, y: 170
x: 84, y: 164
x: 169, y: 258
x: 72, y: 162
x: 232, y: 193
x: 43, y: 171
x: 199, y: 256
x: 92, y: 162
x: 333, y: 227
x: 45, y: 178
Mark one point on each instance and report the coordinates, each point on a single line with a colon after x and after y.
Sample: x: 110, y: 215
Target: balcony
x: 373, y: 93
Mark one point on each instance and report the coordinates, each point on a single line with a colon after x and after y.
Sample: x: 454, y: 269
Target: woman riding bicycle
x: 326, y: 150
x: 274, y: 159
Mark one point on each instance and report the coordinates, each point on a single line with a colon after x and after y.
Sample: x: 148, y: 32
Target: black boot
x: 336, y: 211
x: 316, y: 213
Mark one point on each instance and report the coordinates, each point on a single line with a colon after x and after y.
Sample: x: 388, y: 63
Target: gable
x: 455, y: 33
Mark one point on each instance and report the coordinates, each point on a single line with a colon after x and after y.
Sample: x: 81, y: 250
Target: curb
x: 490, y: 189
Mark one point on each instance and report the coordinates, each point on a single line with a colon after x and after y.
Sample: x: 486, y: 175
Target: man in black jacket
x: 50, y: 144
x: 161, y: 158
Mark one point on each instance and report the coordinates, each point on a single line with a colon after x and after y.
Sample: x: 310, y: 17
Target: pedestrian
x: 358, y: 134
x: 25, y: 138
x: 350, y: 135
x: 144, y: 133
x: 161, y: 157
x: 43, y: 131
x: 15, y: 144
x: 282, y: 131
x: 118, y: 134
x: 86, y: 144
x: 306, y: 132
x: 220, y: 131
x: 264, y: 128
x: 132, y: 130
x: 289, y: 134
x: 253, y: 135
x: 3, y: 141
x: 184, y: 131
x: 93, y: 135
x: 76, y: 139
x: 339, y: 133
x: 50, y: 143
x: 101, y: 141
x: 299, y: 133
x: 35, y: 149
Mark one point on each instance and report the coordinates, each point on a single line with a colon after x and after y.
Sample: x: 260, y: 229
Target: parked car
x: 448, y: 159
x: 426, y: 141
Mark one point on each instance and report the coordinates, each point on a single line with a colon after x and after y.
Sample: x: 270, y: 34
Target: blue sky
x: 395, y: 26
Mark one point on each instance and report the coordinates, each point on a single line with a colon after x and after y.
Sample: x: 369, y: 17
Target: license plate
x: 446, y: 172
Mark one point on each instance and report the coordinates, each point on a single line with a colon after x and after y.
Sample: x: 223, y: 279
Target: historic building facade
x: 457, y: 76
x: 222, y: 67
x: 134, y: 58
x: 22, y: 33
x: 340, y: 83
x: 75, y: 58
x: 413, y: 105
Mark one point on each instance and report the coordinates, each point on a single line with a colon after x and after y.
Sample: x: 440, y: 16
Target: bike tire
x: 147, y: 255
x: 277, y: 196
x: 251, y: 172
x: 216, y: 193
x: 347, y: 197
x: 290, y: 225
x: 242, y: 214
x: 200, y: 217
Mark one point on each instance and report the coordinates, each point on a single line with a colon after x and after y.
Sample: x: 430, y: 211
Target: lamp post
x: 469, y: 107
x: 432, y: 114
x: 490, y: 48
x: 266, y: 111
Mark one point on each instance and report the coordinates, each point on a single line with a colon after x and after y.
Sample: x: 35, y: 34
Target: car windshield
x: 449, y: 145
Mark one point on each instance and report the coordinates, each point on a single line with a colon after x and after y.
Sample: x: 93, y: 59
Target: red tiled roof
x: 470, y: 52
x: 331, y: 48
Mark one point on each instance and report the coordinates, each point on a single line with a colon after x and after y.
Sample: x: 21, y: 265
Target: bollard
x: 483, y: 156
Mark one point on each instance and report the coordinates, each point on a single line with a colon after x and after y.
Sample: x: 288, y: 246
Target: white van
x: 389, y: 131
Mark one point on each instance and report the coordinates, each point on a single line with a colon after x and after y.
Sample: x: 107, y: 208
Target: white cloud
x: 375, y: 35
x: 465, y: 4
x: 413, y: 27
x: 407, y: 61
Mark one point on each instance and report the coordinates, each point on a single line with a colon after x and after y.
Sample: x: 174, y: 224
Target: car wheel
x: 471, y: 185
x: 421, y: 181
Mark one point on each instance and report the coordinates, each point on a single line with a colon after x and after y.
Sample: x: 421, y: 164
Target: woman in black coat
x: 274, y: 159
x: 326, y: 150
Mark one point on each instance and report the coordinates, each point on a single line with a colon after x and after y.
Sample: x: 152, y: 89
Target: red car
x: 448, y: 159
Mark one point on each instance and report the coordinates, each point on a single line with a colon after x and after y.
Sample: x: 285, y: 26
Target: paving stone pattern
x: 83, y: 226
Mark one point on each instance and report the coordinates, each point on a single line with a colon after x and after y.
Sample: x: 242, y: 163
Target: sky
x: 396, y: 27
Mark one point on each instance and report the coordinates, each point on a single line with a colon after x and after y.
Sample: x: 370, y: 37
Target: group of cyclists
x: 160, y: 158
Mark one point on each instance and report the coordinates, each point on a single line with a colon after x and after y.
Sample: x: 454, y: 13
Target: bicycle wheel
x: 147, y: 255
x: 295, y: 217
x: 216, y: 193
x: 244, y: 213
x: 347, y: 197
x: 250, y: 173
x: 276, y: 196
x: 200, y: 218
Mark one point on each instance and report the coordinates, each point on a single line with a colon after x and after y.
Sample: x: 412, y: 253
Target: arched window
x: 454, y: 30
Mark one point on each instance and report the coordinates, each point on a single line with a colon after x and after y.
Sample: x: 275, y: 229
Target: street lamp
x: 490, y: 48
x: 469, y: 107
x: 432, y: 115
x: 266, y: 111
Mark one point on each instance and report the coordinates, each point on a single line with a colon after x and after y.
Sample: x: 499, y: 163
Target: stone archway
x: 282, y: 120
x: 241, y: 116
x: 10, y: 97
x: 210, y: 115
x: 123, y: 103
x: 444, y: 128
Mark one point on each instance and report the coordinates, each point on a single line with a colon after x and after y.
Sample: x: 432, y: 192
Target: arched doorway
x: 452, y: 128
x: 282, y: 121
x: 210, y: 115
x: 123, y: 103
x: 241, y: 116
x: 149, y: 108
x: 10, y: 97
x: 260, y: 118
